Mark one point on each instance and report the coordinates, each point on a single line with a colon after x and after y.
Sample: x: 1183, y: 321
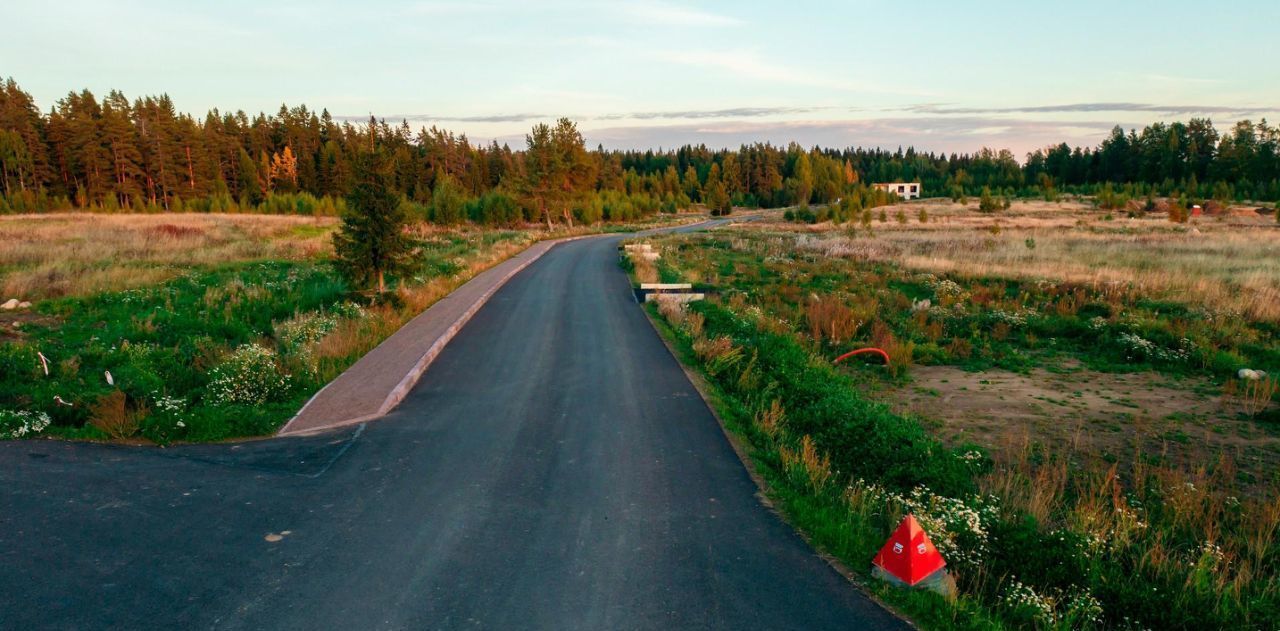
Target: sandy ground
x: 1098, y: 414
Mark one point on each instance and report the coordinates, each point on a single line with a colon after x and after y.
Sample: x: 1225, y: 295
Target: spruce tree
x: 371, y: 242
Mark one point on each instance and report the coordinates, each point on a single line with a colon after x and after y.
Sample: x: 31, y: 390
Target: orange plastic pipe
x: 859, y: 352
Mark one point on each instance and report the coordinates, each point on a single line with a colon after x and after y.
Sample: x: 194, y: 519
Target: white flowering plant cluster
x: 304, y: 329
x: 1070, y: 609
x: 1138, y: 348
x: 298, y: 335
x: 959, y: 529
x: 22, y: 423
x: 349, y: 311
x: 167, y: 420
x: 1014, y: 319
x: 943, y: 288
x: 249, y: 376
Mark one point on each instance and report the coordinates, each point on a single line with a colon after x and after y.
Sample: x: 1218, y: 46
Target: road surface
x: 553, y: 469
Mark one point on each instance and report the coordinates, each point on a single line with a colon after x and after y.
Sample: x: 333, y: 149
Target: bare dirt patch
x: 13, y: 322
x: 1184, y: 422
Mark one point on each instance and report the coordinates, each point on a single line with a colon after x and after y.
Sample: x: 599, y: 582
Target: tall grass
x: 1038, y: 535
x: 68, y: 254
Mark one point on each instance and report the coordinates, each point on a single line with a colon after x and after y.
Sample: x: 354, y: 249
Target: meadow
x: 1064, y: 409
x: 199, y: 327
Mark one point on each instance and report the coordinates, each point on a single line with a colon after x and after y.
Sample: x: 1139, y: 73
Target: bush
x: 111, y: 414
x: 22, y: 423
x: 249, y: 376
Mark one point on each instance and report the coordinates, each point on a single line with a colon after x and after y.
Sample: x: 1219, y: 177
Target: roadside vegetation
x: 1021, y: 416
x: 167, y: 327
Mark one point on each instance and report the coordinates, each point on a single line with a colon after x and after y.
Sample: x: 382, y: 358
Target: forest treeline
x: 111, y: 153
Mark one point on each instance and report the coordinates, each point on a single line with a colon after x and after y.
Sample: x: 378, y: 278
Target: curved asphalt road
x: 553, y: 469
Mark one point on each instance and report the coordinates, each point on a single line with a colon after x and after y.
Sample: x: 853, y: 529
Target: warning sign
x: 908, y: 555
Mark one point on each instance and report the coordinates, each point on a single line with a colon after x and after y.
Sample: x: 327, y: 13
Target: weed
x: 112, y: 415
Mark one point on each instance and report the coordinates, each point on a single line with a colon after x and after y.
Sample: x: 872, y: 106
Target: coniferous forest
x: 116, y: 154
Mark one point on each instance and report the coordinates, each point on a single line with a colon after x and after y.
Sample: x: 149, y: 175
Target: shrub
x: 830, y: 319
x: 111, y: 414
x: 22, y: 423
x: 988, y: 203
x: 249, y: 376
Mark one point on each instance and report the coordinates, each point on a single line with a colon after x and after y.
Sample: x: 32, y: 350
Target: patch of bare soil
x: 12, y: 323
x: 1185, y: 422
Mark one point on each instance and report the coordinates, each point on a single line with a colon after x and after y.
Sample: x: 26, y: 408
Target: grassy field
x: 1063, y: 410
x: 187, y: 327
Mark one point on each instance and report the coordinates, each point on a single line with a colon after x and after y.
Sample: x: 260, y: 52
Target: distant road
x: 553, y: 469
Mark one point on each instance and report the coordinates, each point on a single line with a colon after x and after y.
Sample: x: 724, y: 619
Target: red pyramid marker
x: 908, y: 555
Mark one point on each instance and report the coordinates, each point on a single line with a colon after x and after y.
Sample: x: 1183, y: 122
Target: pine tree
x: 371, y: 242
x: 557, y: 169
x: 248, y: 181
x: 122, y: 141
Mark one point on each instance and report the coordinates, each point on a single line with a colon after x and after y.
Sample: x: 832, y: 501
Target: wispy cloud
x: 418, y: 118
x: 674, y: 15
x: 671, y: 115
x: 1168, y: 110
x: 749, y: 64
x: 445, y: 7
x: 732, y: 112
x: 943, y: 133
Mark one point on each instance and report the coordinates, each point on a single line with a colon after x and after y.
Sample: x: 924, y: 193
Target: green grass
x: 1151, y: 569
x: 160, y: 342
x: 165, y: 345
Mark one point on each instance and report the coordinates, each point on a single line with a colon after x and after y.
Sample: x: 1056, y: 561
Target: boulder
x: 10, y: 304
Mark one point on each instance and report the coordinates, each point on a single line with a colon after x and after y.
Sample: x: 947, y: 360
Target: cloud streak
x: 939, y: 133
x: 1167, y: 110
x: 674, y: 15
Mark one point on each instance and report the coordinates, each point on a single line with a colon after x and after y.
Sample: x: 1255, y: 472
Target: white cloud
x: 675, y: 15
x: 750, y: 65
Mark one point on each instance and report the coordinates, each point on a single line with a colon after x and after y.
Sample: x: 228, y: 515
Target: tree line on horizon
x: 145, y: 155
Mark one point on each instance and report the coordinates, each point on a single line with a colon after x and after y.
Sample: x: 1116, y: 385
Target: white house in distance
x: 905, y: 190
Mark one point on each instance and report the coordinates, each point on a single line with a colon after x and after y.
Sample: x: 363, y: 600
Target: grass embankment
x: 1041, y: 537
x: 210, y: 327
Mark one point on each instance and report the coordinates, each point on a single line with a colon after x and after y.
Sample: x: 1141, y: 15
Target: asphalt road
x: 553, y: 469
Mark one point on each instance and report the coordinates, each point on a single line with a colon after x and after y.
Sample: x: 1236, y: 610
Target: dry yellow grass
x: 1224, y: 264
x: 47, y: 256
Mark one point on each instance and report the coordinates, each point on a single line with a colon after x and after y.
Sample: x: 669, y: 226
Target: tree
x: 714, y: 194
x: 987, y: 203
x: 371, y: 242
x: 558, y: 169
x: 448, y: 205
x: 249, y: 184
x: 283, y: 170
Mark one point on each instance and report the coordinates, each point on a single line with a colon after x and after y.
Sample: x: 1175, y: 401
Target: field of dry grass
x: 64, y: 254
x: 1226, y: 263
x: 1104, y: 405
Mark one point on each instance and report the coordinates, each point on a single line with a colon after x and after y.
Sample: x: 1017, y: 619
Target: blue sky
x: 952, y: 76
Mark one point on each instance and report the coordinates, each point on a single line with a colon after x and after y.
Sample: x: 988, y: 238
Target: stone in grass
x: 940, y: 582
x: 10, y: 304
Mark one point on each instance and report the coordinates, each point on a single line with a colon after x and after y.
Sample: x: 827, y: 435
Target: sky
x: 937, y: 75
